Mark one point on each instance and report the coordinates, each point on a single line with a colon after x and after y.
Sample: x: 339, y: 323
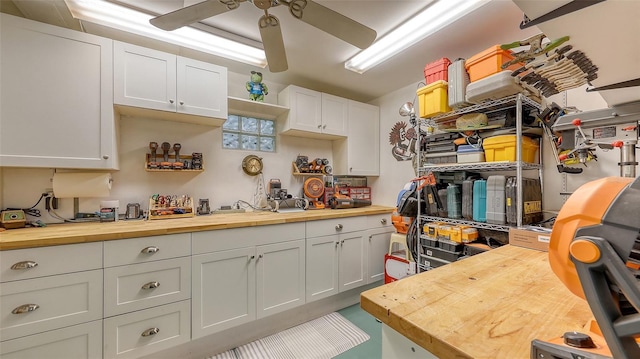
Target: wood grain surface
x: 58, y: 234
x: 491, y: 305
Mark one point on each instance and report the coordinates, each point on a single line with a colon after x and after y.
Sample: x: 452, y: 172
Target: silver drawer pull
x: 24, y: 265
x: 150, y: 250
x: 151, y: 331
x: 383, y: 221
x: 339, y: 227
x: 25, y: 308
x: 151, y: 285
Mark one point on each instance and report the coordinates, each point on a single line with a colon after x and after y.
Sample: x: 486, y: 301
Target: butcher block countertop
x: 490, y: 305
x: 68, y: 233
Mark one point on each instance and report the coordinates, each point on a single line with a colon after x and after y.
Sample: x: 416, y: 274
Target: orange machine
x: 595, y: 251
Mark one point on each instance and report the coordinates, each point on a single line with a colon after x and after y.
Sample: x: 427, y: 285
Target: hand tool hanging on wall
x: 153, y: 163
x: 177, y: 163
x: 166, y: 147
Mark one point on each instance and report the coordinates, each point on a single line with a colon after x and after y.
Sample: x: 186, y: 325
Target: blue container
x: 480, y: 200
x: 454, y: 203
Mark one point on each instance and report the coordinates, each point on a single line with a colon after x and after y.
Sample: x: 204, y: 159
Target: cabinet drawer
x: 131, y: 335
x: 146, y: 249
x: 82, y: 341
x: 44, y: 261
x: 336, y: 226
x: 61, y: 300
x: 379, y: 220
x: 227, y: 239
x: 140, y: 286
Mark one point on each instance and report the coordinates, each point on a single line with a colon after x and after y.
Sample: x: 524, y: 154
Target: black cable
x: 31, y: 211
x: 413, y: 239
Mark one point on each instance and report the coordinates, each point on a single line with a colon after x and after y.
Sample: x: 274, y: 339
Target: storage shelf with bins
x: 160, y: 158
x: 521, y: 103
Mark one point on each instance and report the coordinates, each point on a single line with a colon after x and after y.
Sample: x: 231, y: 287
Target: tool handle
x: 570, y: 170
x: 510, y: 46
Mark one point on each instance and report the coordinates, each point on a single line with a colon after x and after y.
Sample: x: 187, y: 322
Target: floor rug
x: 320, y: 338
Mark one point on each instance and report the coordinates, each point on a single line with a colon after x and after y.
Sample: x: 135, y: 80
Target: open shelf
x: 243, y: 107
x: 160, y: 158
x: 484, y: 225
x: 480, y: 166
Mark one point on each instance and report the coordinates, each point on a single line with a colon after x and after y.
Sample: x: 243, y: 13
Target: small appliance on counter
x: 203, y: 206
x: 133, y: 211
x: 10, y: 219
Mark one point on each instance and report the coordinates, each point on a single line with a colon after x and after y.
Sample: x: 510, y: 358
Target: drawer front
x: 146, y: 249
x: 132, y: 335
x: 227, y: 239
x: 140, y: 286
x: 326, y: 227
x: 379, y: 221
x: 44, y: 261
x: 82, y: 341
x: 61, y: 301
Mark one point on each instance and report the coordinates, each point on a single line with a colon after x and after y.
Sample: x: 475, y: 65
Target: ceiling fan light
x: 436, y: 16
x: 122, y: 18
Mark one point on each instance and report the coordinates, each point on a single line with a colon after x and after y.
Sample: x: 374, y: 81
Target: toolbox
x: 493, y: 87
x: 531, y: 204
x: 352, y: 192
x: 431, y: 262
x: 489, y: 62
x: 454, y: 204
x: 469, y: 154
x: 496, y: 199
x: 480, y: 200
x: 440, y: 157
x: 441, y: 253
x: 437, y: 70
x: 503, y: 148
x: 433, y: 99
x: 467, y: 199
x: 458, y: 79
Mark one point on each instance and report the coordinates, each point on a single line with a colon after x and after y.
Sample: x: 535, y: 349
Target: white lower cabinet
x: 36, y: 305
x: 78, y: 341
x: 251, y: 276
x: 379, y: 235
x: 147, y: 331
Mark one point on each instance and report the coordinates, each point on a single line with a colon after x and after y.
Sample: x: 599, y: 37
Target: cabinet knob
x: 252, y: 257
x: 150, y: 250
x: 151, y: 331
x: 171, y: 101
x: 259, y: 256
x: 339, y: 227
x: 151, y: 285
x: 383, y: 221
x: 350, y: 169
x: 324, y: 126
x: 25, y: 308
x: 182, y: 102
x: 319, y: 126
x: 337, y: 244
x: 24, y: 265
x: 105, y: 157
x: 342, y: 242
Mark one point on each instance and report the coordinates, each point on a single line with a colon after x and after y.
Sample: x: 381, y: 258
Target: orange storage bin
x: 503, y: 148
x: 433, y: 99
x: 489, y: 62
x: 437, y: 70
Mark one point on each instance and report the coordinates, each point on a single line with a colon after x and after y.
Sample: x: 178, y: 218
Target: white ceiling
x: 316, y: 59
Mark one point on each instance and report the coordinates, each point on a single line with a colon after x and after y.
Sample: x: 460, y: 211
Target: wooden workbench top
x: 90, y: 232
x: 490, y: 305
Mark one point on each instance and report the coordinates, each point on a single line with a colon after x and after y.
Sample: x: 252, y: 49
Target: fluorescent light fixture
x: 125, y: 19
x: 437, y: 15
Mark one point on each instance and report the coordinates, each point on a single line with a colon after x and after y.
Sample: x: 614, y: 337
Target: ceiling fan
x: 308, y: 11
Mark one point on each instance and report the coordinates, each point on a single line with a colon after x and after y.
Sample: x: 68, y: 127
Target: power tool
x: 595, y: 251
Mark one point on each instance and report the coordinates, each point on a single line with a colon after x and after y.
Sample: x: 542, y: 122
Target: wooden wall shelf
x: 160, y: 158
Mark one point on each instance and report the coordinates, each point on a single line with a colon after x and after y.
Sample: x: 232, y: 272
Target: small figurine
x: 256, y: 88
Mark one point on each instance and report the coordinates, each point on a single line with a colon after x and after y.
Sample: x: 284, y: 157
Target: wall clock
x: 252, y: 165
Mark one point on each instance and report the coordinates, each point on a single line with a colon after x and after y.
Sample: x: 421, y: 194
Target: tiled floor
x: 372, y: 348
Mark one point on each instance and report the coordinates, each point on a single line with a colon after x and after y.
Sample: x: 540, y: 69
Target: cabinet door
x: 280, y: 270
x: 202, y: 88
x: 224, y: 290
x: 322, y: 267
x: 363, y: 141
x: 144, y: 77
x: 377, y: 247
x: 305, y: 108
x: 352, y: 263
x: 57, y: 97
x: 335, y: 111
x: 83, y: 341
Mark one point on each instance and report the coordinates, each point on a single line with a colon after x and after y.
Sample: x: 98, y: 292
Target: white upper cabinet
x: 177, y: 88
x: 57, y: 97
x: 359, y: 154
x: 313, y: 114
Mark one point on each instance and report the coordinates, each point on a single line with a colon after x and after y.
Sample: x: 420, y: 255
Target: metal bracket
x: 561, y: 11
x: 619, y: 85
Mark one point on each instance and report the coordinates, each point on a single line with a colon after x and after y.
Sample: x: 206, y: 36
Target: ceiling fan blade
x: 333, y: 23
x: 190, y: 14
x: 273, y: 43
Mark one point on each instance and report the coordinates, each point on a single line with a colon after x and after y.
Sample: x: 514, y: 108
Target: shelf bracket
x: 561, y: 11
x: 619, y: 85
